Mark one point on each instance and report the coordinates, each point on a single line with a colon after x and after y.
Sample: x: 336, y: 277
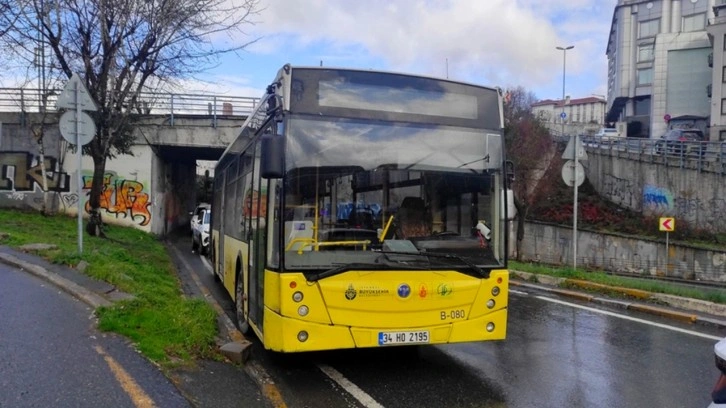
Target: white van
x: 608, y: 134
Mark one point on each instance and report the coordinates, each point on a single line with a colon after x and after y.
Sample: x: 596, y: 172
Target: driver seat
x: 412, y: 218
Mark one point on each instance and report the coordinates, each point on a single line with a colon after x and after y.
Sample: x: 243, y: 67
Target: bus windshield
x: 357, y: 187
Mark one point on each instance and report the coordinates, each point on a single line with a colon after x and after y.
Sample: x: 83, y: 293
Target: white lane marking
x: 517, y: 292
x: 634, y: 319
x: 362, y: 397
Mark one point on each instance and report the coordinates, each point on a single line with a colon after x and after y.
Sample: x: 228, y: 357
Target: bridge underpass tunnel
x: 180, y: 184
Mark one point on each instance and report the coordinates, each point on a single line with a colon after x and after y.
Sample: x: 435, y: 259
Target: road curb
x: 687, y: 309
x: 90, y: 298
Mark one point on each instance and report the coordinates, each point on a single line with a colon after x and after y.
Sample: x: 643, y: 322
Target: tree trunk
x: 93, y: 206
x: 521, y: 217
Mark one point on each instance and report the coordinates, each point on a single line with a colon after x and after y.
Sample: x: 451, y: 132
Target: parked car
x: 200, y: 233
x: 195, y: 215
x: 681, y: 142
x: 718, y: 395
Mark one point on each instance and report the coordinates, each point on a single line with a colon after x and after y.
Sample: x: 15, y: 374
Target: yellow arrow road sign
x: 667, y: 224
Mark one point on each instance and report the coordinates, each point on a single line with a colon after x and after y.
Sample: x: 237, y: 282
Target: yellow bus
x: 359, y: 208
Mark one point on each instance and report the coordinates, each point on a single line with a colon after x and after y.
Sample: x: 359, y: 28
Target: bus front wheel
x: 239, y: 303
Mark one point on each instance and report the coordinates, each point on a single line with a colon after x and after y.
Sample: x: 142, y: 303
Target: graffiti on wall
x: 120, y: 197
x: 712, y: 209
x: 657, y: 200
x: 621, y: 191
x: 23, y: 172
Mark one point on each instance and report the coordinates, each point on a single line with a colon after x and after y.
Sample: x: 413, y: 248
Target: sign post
x: 79, y: 129
x: 574, y: 175
x: 667, y: 224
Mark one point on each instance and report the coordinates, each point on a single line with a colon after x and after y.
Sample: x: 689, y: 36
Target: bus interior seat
x: 412, y: 218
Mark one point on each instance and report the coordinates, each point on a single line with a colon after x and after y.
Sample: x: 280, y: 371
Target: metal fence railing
x: 29, y: 100
x: 703, y: 156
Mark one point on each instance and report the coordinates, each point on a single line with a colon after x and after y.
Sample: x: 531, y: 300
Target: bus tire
x: 239, y: 305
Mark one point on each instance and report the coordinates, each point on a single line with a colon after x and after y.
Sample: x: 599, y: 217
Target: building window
x: 641, y: 106
x: 645, y: 76
x: 723, y: 74
x: 694, y: 22
x: 648, y: 28
x: 723, y: 106
x: 722, y: 135
x: 645, y: 52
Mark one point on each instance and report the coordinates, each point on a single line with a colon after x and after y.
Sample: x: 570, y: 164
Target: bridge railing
x: 28, y: 100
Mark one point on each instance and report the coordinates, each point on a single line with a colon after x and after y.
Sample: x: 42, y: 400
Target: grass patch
x: 648, y: 285
x: 165, y: 326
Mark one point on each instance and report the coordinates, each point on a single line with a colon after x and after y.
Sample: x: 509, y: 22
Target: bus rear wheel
x: 239, y: 309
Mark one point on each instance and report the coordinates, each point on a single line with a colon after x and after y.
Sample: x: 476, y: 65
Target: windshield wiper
x: 358, y: 265
x: 340, y: 269
x: 479, y: 271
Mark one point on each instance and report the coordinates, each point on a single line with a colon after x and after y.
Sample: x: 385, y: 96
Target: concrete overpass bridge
x: 154, y: 189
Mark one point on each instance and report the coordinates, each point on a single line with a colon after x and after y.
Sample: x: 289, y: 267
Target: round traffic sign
x: 568, y: 173
x: 85, y: 127
x: 563, y: 115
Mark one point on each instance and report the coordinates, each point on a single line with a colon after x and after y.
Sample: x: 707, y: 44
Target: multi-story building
x: 659, y: 76
x: 717, y: 59
x: 581, y: 115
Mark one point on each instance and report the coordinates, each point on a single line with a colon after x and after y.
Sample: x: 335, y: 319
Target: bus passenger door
x: 219, y: 244
x: 257, y: 248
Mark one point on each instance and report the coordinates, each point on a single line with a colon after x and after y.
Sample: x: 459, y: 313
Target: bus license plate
x: 404, y: 337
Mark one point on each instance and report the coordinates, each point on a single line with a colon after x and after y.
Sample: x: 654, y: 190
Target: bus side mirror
x: 272, y: 162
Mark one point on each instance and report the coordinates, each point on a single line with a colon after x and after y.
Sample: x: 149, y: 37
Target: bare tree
x: 531, y: 149
x: 121, y: 48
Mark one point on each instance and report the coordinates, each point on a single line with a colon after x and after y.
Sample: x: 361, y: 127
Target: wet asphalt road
x: 558, y: 353
x: 51, y: 355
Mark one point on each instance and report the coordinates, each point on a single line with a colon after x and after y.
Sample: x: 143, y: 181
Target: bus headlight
x: 297, y: 296
x: 491, y: 303
x: 495, y: 290
x: 490, y: 327
x: 302, y: 310
x: 302, y: 336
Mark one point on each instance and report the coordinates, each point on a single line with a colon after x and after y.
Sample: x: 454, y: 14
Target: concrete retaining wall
x: 681, y: 190
x: 553, y: 244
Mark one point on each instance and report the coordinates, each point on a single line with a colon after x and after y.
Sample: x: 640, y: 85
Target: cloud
x: 495, y: 42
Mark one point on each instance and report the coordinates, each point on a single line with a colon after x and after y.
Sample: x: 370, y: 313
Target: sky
x: 499, y: 43
x: 505, y: 43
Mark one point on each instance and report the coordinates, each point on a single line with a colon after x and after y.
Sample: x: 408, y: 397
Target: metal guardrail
x: 29, y: 100
x: 702, y: 156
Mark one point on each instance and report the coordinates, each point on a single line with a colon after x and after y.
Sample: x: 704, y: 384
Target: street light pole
x: 564, y: 65
x: 575, y: 145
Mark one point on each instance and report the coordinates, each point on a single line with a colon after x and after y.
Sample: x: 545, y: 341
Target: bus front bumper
x: 289, y: 335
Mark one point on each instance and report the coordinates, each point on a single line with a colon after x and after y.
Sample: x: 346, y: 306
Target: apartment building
x: 581, y: 115
x: 659, y: 66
